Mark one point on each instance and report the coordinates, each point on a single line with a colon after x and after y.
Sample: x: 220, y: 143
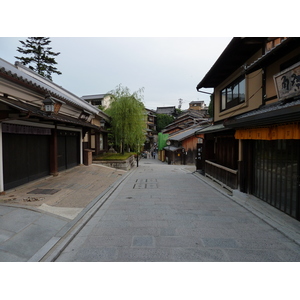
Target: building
x: 186, y: 120
x: 199, y: 106
x: 166, y: 110
x: 102, y: 100
x: 151, y: 133
x: 44, y: 128
x: 183, y: 140
x: 253, y: 146
x: 182, y: 146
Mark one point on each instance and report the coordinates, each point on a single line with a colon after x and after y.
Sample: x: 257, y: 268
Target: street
x: 164, y: 213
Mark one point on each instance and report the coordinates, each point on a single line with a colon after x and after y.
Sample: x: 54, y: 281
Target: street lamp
x: 48, y: 104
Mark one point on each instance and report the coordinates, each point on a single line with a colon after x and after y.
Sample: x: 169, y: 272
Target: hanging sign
x: 287, y: 82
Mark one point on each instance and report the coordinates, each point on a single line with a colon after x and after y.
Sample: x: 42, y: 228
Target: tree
x: 162, y: 120
x: 39, y: 55
x: 128, y: 118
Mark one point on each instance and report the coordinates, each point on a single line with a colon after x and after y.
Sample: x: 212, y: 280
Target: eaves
x: 232, y: 58
x: 272, y: 114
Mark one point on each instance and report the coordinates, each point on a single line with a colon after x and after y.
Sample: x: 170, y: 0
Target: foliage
x: 162, y: 120
x: 178, y: 112
x: 40, y: 55
x: 128, y: 118
x: 114, y: 156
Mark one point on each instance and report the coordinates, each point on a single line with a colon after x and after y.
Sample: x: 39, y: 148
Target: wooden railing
x: 223, y: 175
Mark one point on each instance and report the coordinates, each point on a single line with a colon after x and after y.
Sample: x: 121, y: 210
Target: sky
x: 165, y: 47
x: 168, y: 68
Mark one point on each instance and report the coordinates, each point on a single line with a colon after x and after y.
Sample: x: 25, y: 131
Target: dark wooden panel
x: 25, y: 158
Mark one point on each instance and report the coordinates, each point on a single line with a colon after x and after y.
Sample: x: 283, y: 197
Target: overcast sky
x: 165, y: 47
x: 167, y: 68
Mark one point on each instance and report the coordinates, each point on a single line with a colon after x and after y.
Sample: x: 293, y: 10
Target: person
x: 154, y: 153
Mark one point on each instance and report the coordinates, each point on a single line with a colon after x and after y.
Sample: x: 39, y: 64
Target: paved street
x: 166, y: 213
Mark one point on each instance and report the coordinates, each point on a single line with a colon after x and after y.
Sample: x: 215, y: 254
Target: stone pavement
x: 34, y: 217
x: 169, y: 213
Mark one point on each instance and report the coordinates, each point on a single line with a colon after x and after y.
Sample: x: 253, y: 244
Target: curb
x: 55, y: 246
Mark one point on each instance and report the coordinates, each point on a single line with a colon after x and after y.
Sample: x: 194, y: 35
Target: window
x: 96, y: 102
x: 233, y: 94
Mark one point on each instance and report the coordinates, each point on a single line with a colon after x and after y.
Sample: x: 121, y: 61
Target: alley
x: 164, y: 213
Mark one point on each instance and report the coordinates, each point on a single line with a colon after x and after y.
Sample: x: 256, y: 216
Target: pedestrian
x: 154, y: 153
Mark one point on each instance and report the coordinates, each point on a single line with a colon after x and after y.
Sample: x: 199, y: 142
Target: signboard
x: 287, y: 82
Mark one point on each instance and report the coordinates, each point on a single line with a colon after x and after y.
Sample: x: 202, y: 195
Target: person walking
x: 154, y: 153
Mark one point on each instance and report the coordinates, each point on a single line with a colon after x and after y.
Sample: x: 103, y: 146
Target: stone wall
x: 118, y: 164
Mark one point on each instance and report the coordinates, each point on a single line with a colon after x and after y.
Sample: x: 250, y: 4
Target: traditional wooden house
x: 254, y: 145
x: 44, y: 128
x: 182, y: 146
x: 151, y: 133
x: 166, y: 110
x: 186, y: 120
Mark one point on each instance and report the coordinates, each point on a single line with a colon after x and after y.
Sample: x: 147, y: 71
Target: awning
x: 34, y: 111
x: 172, y: 148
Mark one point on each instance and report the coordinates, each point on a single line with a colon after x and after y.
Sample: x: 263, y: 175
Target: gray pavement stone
x: 144, y: 254
x: 199, y: 255
x: 5, y: 209
x: 16, y: 219
x: 5, y: 235
x: 222, y: 243
x: 94, y: 254
x: 29, y: 241
x: 10, y: 257
x: 142, y: 241
x: 249, y: 255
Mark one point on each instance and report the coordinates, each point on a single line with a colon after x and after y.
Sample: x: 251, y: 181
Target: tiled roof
x: 25, y: 75
x: 183, y: 134
x: 34, y: 111
x: 276, y: 112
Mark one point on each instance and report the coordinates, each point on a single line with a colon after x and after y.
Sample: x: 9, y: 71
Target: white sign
x: 288, y: 82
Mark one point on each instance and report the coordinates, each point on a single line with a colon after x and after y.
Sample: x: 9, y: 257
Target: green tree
x: 162, y: 120
x: 127, y: 112
x: 39, y: 56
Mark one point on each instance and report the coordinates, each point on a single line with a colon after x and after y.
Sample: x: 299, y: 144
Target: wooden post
x: 53, y: 153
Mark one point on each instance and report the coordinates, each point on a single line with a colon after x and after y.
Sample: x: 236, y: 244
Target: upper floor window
x: 233, y: 94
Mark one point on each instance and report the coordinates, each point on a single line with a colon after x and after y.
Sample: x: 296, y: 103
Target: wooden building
x: 253, y: 146
x: 44, y: 128
x: 182, y: 146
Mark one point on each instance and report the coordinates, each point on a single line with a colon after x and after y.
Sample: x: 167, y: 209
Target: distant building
x: 186, y: 120
x: 151, y: 133
x: 167, y: 110
x: 198, y: 105
x: 100, y: 99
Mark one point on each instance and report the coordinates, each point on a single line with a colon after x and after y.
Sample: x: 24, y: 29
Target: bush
x: 114, y: 156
